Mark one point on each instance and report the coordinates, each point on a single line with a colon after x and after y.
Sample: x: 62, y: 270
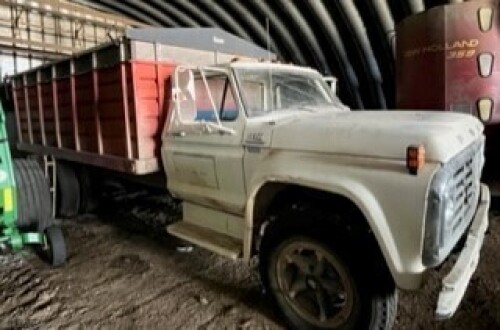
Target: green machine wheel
x: 53, y: 250
x: 25, y: 208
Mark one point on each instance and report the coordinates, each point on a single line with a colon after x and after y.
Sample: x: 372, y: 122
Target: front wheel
x: 317, y: 287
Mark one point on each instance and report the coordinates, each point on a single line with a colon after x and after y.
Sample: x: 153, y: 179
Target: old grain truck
x: 447, y: 59
x: 340, y: 207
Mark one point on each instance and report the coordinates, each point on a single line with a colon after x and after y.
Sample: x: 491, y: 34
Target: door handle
x: 178, y: 134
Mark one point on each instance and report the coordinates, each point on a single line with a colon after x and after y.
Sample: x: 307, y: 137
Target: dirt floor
x: 123, y: 273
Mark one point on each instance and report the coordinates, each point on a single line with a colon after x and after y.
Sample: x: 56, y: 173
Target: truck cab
x: 269, y: 163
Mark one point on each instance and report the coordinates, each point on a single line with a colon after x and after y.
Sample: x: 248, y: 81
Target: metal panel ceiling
x: 351, y: 39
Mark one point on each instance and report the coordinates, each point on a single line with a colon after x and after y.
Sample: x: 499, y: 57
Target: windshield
x: 265, y: 90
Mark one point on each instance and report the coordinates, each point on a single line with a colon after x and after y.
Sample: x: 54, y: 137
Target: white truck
x: 340, y: 207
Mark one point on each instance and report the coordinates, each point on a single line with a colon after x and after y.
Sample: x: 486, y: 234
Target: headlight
x: 451, y: 203
x: 449, y: 207
x: 440, y: 211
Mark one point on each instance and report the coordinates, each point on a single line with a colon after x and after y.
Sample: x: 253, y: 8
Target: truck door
x: 202, y: 145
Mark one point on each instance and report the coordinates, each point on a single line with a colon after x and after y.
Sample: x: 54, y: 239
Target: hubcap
x: 315, y: 283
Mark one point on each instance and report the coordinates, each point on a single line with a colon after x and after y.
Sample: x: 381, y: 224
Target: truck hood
x: 380, y: 134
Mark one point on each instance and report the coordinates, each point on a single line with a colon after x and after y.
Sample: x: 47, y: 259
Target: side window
x: 295, y: 92
x: 222, y: 96
x: 255, y: 97
x: 186, y: 98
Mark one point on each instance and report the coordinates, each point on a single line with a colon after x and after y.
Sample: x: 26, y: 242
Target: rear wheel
x: 68, y: 191
x: 87, y: 201
x: 33, y: 196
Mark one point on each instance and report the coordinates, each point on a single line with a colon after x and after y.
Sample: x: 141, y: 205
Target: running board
x: 224, y: 245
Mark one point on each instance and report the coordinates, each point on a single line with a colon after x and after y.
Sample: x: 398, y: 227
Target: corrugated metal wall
x: 351, y: 39
x: 34, y: 31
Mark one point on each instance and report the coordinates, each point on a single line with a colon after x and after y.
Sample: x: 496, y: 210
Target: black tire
x: 68, y: 191
x: 33, y: 196
x: 55, y: 250
x: 87, y: 201
x: 370, y: 296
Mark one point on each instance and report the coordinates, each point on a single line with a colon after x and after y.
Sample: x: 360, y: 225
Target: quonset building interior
x: 257, y: 164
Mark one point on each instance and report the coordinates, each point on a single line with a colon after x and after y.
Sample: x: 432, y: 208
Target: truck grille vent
x: 466, y: 186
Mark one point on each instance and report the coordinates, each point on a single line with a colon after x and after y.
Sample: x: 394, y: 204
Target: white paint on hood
x: 384, y: 134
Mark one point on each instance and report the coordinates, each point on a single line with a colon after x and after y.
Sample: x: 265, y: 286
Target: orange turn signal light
x: 415, y: 158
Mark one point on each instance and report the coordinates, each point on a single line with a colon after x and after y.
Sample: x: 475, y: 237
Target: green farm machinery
x: 25, y: 206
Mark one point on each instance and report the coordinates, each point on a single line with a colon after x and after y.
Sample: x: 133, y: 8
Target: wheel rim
x: 315, y: 283
x: 47, y: 247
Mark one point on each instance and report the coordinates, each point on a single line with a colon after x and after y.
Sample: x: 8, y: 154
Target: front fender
x: 392, y: 201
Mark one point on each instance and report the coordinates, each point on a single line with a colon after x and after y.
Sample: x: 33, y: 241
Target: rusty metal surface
x: 111, y: 111
x: 121, y: 164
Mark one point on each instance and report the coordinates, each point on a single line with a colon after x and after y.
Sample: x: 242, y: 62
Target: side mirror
x: 332, y: 83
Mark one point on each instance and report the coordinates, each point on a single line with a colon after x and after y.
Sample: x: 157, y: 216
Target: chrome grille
x: 452, y: 202
x: 465, y: 186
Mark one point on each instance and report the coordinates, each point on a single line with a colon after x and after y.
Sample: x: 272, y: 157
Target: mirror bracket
x: 332, y: 83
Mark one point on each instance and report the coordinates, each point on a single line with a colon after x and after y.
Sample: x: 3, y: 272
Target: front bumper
x: 457, y: 280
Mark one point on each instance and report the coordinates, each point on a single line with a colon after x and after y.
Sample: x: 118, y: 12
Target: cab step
x: 224, y: 245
